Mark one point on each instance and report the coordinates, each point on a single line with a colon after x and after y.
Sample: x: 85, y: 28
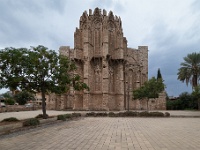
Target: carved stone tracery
x: 111, y: 79
x: 97, y: 72
x: 102, y: 62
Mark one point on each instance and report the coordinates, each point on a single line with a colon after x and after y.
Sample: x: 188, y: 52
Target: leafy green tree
x: 190, y: 69
x: 23, y: 97
x: 11, y: 66
x: 184, y: 101
x: 150, y: 89
x: 196, y: 95
x: 38, y: 70
x: 174, y: 105
x: 7, y: 95
x: 9, y: 100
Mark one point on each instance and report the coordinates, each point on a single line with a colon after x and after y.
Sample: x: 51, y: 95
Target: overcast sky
x: 170, y: 28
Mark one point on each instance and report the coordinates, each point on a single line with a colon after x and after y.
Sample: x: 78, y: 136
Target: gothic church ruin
x: 106, y: 65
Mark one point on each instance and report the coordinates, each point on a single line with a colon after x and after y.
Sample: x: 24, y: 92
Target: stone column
x: 105, y: 84
x: 105, y: 71
x: 121, y: 86
x: 86, y: 68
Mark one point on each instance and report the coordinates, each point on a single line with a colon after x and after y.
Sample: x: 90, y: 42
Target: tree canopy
x: 189, y: 71
x: 196, y: 95
x: 9, y: 100
x: 185, y: 101
x: 150, y: 89
x: 38, y: 69
x: 23, y: 97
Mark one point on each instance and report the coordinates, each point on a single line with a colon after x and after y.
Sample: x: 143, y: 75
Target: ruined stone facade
x: 106, y: 65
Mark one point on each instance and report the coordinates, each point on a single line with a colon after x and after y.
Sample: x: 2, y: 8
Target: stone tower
x: 106, y: 65
x: 102, y: 58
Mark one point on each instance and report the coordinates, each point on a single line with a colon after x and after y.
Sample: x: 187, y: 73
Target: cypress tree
x: 159, y: 76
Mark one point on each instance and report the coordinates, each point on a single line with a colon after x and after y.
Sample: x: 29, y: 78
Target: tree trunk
x: 44, y: 104
x: 198, y: 103
x: 195, y: 81
x: 147, y: 104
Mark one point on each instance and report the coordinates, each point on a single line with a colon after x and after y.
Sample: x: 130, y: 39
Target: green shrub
x: 61, y: 117
x: 76, y: 114
x: 41, y: 116
x: 120, y: 114
x: 68, y: 116
x: 144, y: 114
x: 112, y: 114
x: 151, y: 114
x: 130, y: 114
x: 156, y: 114
x: 11, y: 119
x: 91, y: 114
x: 104, y: 114
x: 31, y: 122
x: 167, y: 114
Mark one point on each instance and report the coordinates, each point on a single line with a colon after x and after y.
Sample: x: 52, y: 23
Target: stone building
x: 106, y: 65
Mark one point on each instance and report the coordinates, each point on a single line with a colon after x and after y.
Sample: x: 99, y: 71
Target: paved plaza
x: 109, y: 134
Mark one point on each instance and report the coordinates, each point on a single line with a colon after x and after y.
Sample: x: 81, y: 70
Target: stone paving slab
x: 110, y: 134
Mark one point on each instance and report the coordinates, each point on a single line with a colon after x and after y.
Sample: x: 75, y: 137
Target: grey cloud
x: 117, y: 6
x: 103, y: 3
x: 167, y: 49
x: 174, y: 87
x: 195, y: 6
x: 58, y: 6
x: 14, y: 23
x: 160, y: 34
x: 52, y: 23
x: 28, y: 22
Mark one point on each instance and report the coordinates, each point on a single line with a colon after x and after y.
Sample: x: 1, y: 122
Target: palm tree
x: 190, y: 69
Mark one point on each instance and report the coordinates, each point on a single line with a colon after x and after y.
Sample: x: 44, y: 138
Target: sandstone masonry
x: 106, y: 65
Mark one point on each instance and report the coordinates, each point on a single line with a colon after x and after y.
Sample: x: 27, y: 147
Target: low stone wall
x: 12, y: 127
x: 7, y: 128
x: 16, y: 108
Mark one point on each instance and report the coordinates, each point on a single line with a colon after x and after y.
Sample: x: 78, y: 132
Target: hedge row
x: 128, y: 114
x: 68, y: 116
x: 35, y: 121
x: 31, y: 122
x: 11, y: 119
x: 40, y: 116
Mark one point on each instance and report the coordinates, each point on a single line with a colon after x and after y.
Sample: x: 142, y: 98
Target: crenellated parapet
x: 66, y: 51
x: 99, y: 35
x: 97, y: 19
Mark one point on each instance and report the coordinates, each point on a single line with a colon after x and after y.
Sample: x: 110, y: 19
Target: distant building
x: 172, y: 98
